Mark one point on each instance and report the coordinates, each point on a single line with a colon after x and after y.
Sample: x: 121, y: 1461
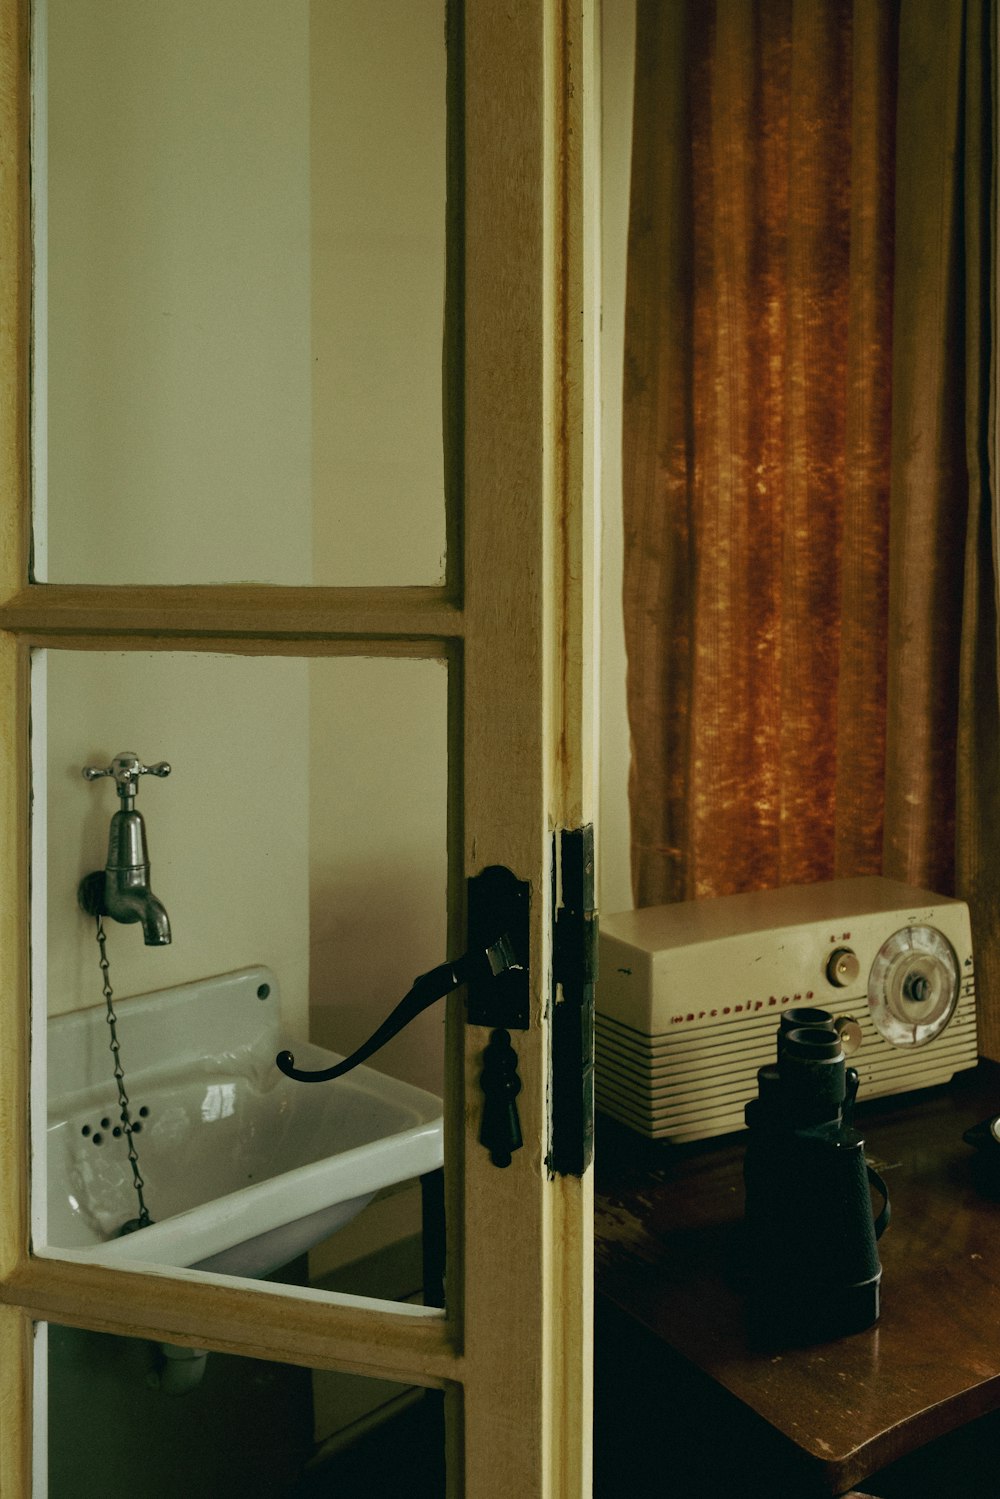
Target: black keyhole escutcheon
x: 500, y: 1131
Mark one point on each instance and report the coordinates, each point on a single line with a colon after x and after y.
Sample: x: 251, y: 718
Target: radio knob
x: 842, y: 967
x: 918, y: 988
x: 850, y: 1034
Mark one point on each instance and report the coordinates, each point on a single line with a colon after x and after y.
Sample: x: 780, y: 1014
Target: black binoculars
x: 812, y: 1258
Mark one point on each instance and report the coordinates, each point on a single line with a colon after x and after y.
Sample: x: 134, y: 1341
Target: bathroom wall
x: 378, y: 727
x: 241, y: 215
x: 172, y: 445
x: 336, y: 878
x: 120, y: 1426
x: 378, y: 854
x: 171, y: 176
x: 378, y: 203
x: 240, y: 287
x: 617, y: 62
x: 240, y: 305
x: 228, y: 829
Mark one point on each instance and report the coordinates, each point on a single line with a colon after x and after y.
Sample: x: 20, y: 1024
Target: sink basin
x: 243, y: 1168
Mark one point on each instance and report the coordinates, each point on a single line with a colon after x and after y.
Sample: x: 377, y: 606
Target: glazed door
x: 509, y: 622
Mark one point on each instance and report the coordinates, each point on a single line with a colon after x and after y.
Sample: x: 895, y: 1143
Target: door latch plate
x: 498, y: 905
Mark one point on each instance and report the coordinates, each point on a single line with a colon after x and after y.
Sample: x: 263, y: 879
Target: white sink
x: 243, y: 1168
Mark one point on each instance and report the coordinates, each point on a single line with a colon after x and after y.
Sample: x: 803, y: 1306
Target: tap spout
x: 122, y: 889
x: 132, y: 903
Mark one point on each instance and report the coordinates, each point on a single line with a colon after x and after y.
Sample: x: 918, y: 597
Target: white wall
x: 242, y: 282
x: 227, y: 830
x: 378, y: 847
x: 244, y: 216
x: 178, y: 364
x: 618, y: 50
x: 174, y: 399
x: 378, y: 216
x: 244, y: 208
x: 378, y: 758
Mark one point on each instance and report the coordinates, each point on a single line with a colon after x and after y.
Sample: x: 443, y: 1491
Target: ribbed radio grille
x: 691, y: 1085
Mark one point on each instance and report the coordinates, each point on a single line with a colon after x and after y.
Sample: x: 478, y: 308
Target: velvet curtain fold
x: 809, y: 589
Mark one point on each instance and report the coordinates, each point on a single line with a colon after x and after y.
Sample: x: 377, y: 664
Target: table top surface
x: 668, y: 1245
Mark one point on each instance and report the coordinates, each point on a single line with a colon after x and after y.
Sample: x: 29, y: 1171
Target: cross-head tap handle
x: 126, y: 768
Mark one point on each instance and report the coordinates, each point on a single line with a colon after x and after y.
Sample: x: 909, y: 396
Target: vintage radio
x: 690, y: 994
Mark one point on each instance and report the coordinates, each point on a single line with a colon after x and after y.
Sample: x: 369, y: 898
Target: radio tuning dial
x: 913, y: 986
x: 842, y: 967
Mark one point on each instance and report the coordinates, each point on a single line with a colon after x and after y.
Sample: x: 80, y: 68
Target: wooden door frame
x: 521, y: 664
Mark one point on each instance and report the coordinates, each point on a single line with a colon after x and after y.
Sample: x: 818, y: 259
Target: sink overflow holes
x: 94, y: 1133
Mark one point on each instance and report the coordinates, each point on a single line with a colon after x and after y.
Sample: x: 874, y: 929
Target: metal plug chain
x: 143, y: 1220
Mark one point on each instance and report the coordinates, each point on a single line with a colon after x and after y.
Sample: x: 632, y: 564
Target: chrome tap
x: 121, y: 890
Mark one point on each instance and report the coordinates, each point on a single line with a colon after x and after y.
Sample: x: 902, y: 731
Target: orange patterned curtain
x: 808, y: 593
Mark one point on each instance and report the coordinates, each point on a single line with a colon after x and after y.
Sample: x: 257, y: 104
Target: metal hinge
x: 574, y: 977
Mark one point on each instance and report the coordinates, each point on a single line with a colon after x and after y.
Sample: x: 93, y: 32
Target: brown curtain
x: 809, y: 595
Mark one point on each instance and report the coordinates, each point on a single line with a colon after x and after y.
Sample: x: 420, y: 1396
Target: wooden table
x: 682, y: 1394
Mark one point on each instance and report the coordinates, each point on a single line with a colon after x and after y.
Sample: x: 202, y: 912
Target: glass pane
x: 111, y: 1422
x: 298, y: 851
x: 239, y: 298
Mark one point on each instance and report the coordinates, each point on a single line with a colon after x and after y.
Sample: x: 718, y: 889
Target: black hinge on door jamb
x: 574, y: 978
